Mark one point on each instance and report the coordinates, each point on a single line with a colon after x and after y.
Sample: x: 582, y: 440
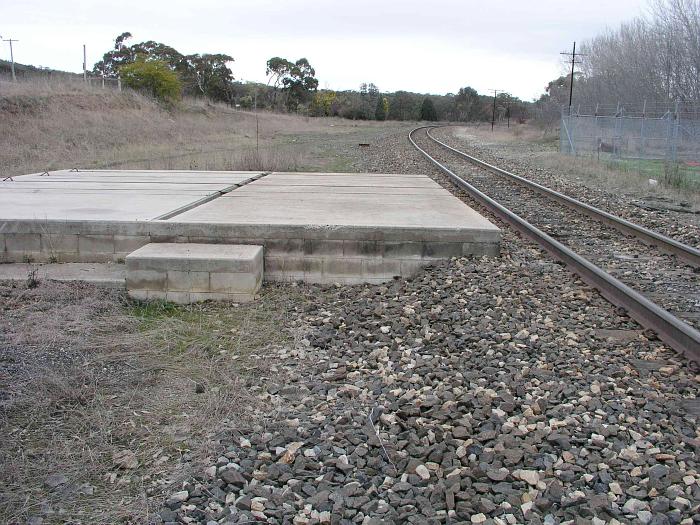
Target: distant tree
x: 469, y: 105
x: 300, y: 83
x: 404, y: 106
x: 298, y: 80
x: 382, y: 110
x: 152, y: 77
x: 277, y: 69
x: 206, y: 74
x: 322, y: 103
x: 211, y: 75
x: 427, y: 110
x: 123, y: 54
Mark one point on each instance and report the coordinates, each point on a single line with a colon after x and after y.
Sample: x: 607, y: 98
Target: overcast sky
x: 423, y: 46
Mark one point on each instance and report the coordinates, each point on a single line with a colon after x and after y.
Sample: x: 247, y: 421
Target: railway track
x: 636, y: 269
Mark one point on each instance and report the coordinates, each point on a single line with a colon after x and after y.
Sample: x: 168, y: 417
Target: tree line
x: 651, y: 61
x: 166, y: 74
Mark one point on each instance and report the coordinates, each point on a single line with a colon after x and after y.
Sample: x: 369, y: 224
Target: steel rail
x: 671, y: 330
x: 689, y: 254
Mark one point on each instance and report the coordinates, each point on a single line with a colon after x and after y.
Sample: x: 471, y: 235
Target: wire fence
x: 52, y: 78
x: 657, y: 140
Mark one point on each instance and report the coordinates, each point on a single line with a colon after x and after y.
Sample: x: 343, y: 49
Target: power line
x: 573, y: 60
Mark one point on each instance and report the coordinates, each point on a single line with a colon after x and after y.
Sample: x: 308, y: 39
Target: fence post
x: 676, y: 134
x: 641, y: 132
x: 119, y: 83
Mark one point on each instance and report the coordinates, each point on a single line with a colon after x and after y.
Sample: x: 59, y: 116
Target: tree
x: 469, y: 105
x: 211, y: 75
x: 297, y: 79
x: 153, y: 77
x: 322, y: 103
x: 427, y: 110
x: 404, y: 106
x: 382, y: 110
x: 277, y: 69
x: 206, y: 74
x: 122, y: 54
x: 300, y: 83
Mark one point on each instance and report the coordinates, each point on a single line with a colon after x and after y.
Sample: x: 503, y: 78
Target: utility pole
x: 572, y: 57
x: 85, y: 65
x: 493, y: 114
x: 12, y: 57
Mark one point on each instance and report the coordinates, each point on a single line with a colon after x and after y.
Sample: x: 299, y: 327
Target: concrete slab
x: 102, y: 274
x: 109, y: 195
x: 365, y: 206
x: 316, y: 227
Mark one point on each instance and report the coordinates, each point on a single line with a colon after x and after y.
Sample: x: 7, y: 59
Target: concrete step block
x: 190, y: 272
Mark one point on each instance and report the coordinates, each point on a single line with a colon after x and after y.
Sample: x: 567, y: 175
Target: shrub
x: 153, y: 77
x: 427, y: 110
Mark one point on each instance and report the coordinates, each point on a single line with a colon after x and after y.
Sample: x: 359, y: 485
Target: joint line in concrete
x: 208, y: 198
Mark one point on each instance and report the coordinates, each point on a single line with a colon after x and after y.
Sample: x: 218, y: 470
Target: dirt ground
x: 105, y: 403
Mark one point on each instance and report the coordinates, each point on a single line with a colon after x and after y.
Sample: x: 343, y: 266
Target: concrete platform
x: 316, y: 227
x: 110, y: 195
x: 187, y: 273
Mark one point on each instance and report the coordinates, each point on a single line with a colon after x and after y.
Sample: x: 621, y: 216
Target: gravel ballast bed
x: 488, y: 390
x: 665, y: 279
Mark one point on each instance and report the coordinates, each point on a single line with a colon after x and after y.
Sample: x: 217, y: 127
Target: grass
x: 540, y: 149
x: 680, y: 175
x: 88, y: 378
x: 57, y: 126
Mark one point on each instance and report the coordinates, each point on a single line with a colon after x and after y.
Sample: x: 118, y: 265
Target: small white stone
x: 180, y: 496
x: 257, y: 504
x: 531, y: 477
x: 423, y: 472
x: 478, y: 518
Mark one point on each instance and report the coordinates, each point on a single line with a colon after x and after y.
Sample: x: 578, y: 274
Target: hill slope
x: 56, y: 125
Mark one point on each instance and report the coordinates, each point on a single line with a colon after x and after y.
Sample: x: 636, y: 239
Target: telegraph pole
x: 12, y: 57
x: 572, y: 56
x: 493, y: 114
x: 85, y: 65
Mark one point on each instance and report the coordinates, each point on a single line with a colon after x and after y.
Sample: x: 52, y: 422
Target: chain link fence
x: 658, y: 141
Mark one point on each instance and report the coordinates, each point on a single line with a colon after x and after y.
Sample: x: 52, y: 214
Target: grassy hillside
x: 48, y: 126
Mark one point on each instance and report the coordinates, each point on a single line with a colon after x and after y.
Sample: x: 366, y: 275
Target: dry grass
x: 46, y: 126
x: 86, y: 375
x: 541, y: 149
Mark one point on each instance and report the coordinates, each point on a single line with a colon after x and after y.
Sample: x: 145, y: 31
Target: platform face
x: 323, y: 199
x: 109, y: 195
x: 316, y: 227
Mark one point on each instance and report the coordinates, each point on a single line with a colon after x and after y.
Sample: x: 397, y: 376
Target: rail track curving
x: 656, y: 273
